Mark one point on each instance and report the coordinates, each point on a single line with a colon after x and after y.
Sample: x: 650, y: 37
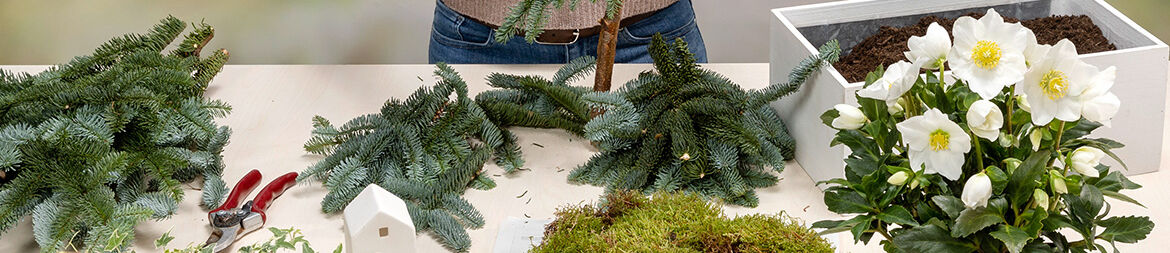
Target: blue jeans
x: 460, y: 40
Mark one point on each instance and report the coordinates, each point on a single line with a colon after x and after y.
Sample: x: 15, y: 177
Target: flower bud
x: 985, y: 119
x: 1036, y: 137
x: 849, y: 117
x: 1011, y: 164
x: 1085, y: 160
x: 1023, y: 102
x: 1058, y: 185
x: 895, y: 108
x: 1040, y: 198
x: 1005, y: 140
x: 898, y: 178
x: 914, y: 184
x: 977, y: 191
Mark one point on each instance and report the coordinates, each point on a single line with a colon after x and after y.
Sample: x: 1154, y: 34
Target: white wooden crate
x: 796, y: 32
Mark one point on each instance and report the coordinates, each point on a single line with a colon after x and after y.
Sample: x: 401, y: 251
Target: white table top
x: 273, y: 105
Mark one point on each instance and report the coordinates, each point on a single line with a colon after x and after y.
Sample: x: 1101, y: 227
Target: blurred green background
x: 351, y: 31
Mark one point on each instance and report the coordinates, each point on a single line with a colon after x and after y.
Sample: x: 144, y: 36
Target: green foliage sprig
x: 681, y: 128
x: 93, y: 147
x: 282, y: 239
x: 418, y: 149
x: 632, y: 222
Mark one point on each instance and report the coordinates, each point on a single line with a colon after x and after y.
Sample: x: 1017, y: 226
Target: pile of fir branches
x: 93, y: 147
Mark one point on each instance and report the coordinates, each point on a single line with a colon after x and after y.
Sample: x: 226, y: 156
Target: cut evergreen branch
x: 534, y: 101
x: 680, y: 128
x: 631, y: 222
x: 421, y: 150
x: 97, y: 145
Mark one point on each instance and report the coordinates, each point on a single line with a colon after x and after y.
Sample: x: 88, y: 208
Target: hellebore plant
x: 968, y: 165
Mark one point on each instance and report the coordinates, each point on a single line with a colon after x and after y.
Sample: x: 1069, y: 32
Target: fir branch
x: 104, y: 142
x: 427, y: 149
x: 679, y: 128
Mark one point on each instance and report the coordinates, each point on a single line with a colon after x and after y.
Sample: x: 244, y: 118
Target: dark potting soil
x: 886, y: 46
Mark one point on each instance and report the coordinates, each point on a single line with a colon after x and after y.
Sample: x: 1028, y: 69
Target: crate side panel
x: 801, y: 110
x: 1114, y: 25
x: 1139, y: 124
x: 849, y: 34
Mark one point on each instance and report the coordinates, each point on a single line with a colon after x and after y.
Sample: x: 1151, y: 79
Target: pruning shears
x: 230, y: 220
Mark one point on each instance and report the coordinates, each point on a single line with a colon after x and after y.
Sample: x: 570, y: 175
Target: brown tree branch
x: 606, y: 50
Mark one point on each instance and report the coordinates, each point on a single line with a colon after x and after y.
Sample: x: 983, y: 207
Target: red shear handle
x: 242, y: 189
x: 271, y: 191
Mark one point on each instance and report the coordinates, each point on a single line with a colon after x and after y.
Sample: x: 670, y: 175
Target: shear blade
x: 221, y: 238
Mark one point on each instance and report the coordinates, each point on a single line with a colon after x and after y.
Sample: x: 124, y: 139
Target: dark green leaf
x: 856, y: 141
x: 1013, y: 238
x: 897, y: 215
x: 1115, y: 181
x: 1085, y: 206
x: 832, y: 226
x: 1080, y: 129
x: 860, y: 228
x: 846, y: 202
x: 932, y: 239
x: 949, y: 204
x: 1127, y: 229
x: 973, y: 220
x: 1023, y: 180
x: 828, y: 116
x: 862, y: 167
x: 1122, y: 197
x: 1034, y: 221
x: 998, y: 179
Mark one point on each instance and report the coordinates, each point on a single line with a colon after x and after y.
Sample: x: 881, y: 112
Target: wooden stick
x: 606, y: 50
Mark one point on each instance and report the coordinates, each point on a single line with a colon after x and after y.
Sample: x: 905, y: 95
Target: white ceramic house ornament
x: 377, y: 221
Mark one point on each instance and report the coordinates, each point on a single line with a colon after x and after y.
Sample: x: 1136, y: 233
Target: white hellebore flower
x: 988, y: 53
x: 1054, y: 85
x: 849, y: 117
x: 1035, y: 51
x: 937, y: 142
x: 897, y: 79
x: 1085, y: 160
x: 985, y: 119
x: 929, y: 51
x: 1098, y: 103
x: 977, y: 191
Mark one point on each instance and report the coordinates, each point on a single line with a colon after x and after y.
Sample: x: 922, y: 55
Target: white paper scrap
x: 518, y: 235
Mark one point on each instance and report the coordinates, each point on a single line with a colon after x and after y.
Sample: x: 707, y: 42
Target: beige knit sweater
x: 586, y: 15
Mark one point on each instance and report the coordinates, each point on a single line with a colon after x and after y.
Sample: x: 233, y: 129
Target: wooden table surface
x: 273, y: 105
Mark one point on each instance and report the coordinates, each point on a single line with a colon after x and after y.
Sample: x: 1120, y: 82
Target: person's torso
x: 587, y: 14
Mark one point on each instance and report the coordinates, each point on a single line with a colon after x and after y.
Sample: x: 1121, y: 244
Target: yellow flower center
x: 940, y: 140
x: 1055, y: 84
x: 986, y: 54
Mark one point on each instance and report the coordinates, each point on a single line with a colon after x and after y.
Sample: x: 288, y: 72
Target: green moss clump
x: 680, y: 222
